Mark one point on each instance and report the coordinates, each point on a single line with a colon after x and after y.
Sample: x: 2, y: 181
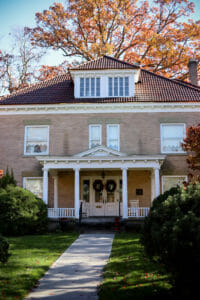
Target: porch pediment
x: 99, y: 151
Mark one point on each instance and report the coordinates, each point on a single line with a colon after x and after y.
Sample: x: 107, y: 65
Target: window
x: 86, y: 190
x: 36, y: 140
x: 172, y: 181
x: 118, y: 86
x: 34, y: 185
x: 172, y: 136
x: 90, y: 87
x: 113, y: 136
x: 94, y: 135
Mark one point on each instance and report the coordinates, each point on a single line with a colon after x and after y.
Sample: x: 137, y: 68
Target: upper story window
x: 95, y: 136
x: 113, y: 136
x: 172, y: 136
x: 36, y: 140
x: 90, y: 87
x: 118, y: 86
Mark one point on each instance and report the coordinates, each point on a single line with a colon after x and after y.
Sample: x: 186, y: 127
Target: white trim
x: 164, y: 176
x: 99, y: 149
x: 96, y: 108
x: 161, y: 137
x: 25, y: 136
x: 107, y: 137
x: 89, y: 135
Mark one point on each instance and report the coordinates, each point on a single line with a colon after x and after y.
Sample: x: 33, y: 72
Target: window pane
x: 97, y: 87
x: 33, y: 147
x: 87, y: 86
x: 126, y: 86
x: 172, y: 137
x: 34, y: 185
x: 113, y: 136
x: 110, y: 86
x: 37, y: 133
x: 81, y: 87
x: 95, y: 136
x: 121, y: 86
x: 86, y: 190
x: 169, y: 182
x: 92, y: 87
x: 173, y: 131
x: 172, y: 145
x: 115, y: 86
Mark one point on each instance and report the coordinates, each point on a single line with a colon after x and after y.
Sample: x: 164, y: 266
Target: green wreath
x: 98, y: 185
x: 110, y: 186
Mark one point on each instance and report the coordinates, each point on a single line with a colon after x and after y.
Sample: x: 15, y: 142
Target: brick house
x: 106, y: 134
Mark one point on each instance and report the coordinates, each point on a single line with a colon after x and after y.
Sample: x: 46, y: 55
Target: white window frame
x: 113, y: 88
x: 90, y: 126
x: 25, y: 178
x: 174, y: 176
x: 95, y: 86
x: 25, y: 136
x: 107, y: 136
x: 162, y: 140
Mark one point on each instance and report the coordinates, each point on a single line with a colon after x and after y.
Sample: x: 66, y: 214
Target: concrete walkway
x: 78, y: 271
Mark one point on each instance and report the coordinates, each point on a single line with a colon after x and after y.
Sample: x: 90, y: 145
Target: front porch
x: 100, y: 182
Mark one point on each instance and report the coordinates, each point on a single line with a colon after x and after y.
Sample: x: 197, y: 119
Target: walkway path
x: 78, y: 271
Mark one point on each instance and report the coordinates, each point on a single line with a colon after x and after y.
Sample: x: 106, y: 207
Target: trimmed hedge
x: 21, y: 212
x: 171, y: 233
x: 4, y: 246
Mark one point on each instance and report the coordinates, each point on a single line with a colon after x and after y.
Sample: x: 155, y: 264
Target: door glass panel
x: 110, y: 196
x: 98, y: 196
x: 86, y: 190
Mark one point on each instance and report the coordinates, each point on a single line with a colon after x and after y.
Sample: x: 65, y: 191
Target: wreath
x: 110, y: 186
x: 98, y: 185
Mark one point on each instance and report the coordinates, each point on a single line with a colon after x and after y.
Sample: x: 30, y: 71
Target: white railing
x: 138, y: 212
x: 61, y: 213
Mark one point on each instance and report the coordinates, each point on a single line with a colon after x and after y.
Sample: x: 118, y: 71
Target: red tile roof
x: 150, y: 88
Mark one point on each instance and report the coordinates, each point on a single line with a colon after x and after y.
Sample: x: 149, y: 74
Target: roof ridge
x: 32, y: 86
x: 172, y: 80
x: 121, y: 61
x: 86, y: 62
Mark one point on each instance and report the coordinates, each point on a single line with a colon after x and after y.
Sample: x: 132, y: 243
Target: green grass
x: 30, y: 258
x: 131, y: 275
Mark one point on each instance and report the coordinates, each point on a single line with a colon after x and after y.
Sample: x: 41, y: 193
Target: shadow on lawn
x: 130, y: 274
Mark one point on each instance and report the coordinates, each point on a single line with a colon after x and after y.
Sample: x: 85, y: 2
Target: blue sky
x: 20, y: 13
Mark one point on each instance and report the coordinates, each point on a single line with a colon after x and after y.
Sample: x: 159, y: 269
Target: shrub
x: 7, y: 179
x: 21, y: 212
x: 4, y: 246
x: 171, y: 233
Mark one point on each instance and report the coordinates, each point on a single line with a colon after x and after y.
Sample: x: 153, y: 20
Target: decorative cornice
x: 86, y: 108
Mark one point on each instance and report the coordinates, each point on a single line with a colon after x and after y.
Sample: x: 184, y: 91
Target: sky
x: 21, y: 13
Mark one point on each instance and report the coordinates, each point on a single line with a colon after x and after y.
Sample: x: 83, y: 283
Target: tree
x: 47, y: 72
x: 150, y: 33
x: 192, y: 146
x: 18, y: 67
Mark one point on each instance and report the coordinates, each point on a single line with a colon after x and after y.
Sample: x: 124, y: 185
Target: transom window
x: 90, y: 87
x: 94, y: 135
x: 36, y: 140
x: 34, y: 185
x: 172, y: 136
x: 113, y: 136
x: 118, y: 86
x: 172, y: 181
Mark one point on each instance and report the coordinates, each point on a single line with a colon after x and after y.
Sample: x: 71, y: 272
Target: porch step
x: 98, y: 220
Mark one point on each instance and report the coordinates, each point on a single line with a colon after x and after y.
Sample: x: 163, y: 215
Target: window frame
x: 90, y: 126
x: 90, y: 90
x: 162, y: 139
x: 111, y: 79
x: 25, y: 139
x: 174, y: 176
x: 34, y: 177
x: 107, y: 136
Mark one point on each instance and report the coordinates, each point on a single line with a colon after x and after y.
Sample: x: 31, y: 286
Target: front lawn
x: 30, y: 258
x: 130, y: 275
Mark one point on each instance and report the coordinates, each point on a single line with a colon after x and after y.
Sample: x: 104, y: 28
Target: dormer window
x: 118, y: 86
x: 90, y: 87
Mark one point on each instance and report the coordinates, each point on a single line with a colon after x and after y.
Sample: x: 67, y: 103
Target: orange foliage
x: 153, y: 35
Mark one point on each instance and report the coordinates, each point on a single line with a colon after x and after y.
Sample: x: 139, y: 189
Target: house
x: 106, y: 134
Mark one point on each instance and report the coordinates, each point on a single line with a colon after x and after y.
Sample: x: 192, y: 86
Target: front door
x: 106, y: 194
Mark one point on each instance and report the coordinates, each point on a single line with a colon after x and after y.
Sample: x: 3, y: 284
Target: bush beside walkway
x: 30, y: 258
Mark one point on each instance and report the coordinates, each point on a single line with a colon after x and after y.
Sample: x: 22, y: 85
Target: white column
x: 76, y: 192
x: 55, y: 177
x: 45, y: 185
x: 125, y: 193
x: 157, y: 182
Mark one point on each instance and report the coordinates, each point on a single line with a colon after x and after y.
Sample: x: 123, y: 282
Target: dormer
x: 105, y: 77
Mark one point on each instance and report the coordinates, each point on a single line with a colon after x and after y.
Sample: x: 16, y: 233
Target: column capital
x: 45, y: 169
x: 77, y: 169
x: 124, y: 168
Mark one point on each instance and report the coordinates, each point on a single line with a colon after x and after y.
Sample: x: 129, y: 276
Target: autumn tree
x: 46, y: 72
x: 18, y: 66
x: 151, y: 33
x: 192, y: 146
